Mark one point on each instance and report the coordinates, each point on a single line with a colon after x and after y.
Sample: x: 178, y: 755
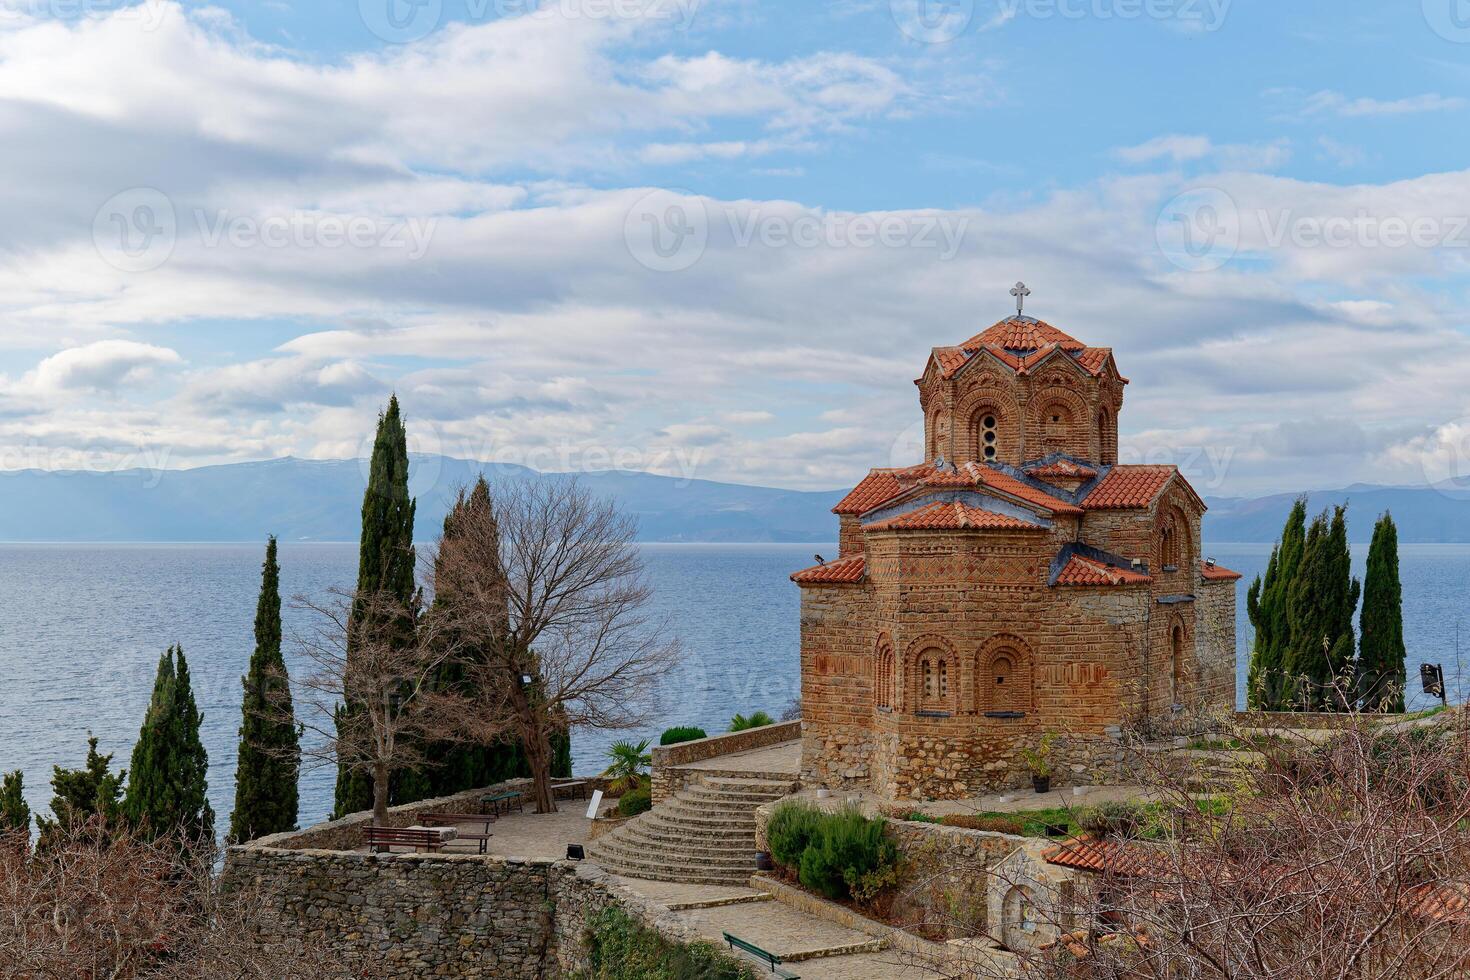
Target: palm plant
x: 630, y: 760
x: 758, y: 720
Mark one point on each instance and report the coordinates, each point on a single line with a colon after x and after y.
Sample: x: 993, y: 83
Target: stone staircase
x: 705, y: 834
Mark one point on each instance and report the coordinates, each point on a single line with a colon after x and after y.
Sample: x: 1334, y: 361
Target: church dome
x: 1022, y: 335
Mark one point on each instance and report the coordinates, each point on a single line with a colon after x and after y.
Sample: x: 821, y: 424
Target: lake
x: 82, y: 628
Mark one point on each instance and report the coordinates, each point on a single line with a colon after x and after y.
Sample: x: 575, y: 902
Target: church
x: 1020, y: 582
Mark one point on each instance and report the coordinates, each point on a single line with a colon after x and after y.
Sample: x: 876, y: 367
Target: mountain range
x: 320, y: 500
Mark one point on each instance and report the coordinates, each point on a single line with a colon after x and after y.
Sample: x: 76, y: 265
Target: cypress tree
x: 1320, y: 605
x: 79, y: 795
x: 15, y: 815
x: 1266, y: 603
x: 167, y: 792
x: 1381, y: 651
x: 270, y: 746
x: 385, y: 565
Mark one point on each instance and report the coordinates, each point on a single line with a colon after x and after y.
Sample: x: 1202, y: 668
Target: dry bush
x: 1348, y: 859
x: 97, y: 903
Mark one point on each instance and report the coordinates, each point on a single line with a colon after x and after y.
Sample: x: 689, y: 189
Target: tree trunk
x: 380, y: 795
x: 538, y: 756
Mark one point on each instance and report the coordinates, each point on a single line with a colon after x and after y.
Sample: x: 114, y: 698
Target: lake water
x: 82, y: 626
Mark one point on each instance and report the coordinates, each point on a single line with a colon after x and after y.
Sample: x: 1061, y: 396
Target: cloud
x: 104, y: 366
x: 1331, y: 103
x: 1188, y: 149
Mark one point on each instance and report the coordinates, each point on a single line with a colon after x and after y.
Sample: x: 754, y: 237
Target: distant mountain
x: 1424, y: 515
x: 321, y: 500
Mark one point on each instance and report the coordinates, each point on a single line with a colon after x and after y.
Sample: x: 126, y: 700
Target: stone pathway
x: 784, y: 757
x: 813, y: 948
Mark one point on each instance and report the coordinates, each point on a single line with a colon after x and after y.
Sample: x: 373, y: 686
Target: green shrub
x: 849, y: 855
x: 1115, y: 818
x: 760, y: 719
x: 621, y: 948
x: 790, y: 830
x: 685, y: 733
x: 635, y: 801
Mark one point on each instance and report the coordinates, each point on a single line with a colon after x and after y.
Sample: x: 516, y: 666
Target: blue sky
x: 228, y: 231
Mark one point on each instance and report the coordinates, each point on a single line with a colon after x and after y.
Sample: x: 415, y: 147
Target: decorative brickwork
x: 1019, y: 582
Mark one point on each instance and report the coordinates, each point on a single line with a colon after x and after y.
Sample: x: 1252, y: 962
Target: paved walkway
x: 784, y: 757
x: 815, y: 948
x: 533, y: 836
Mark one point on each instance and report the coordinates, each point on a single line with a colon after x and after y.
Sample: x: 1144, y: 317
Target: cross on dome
x: 1020, y: 291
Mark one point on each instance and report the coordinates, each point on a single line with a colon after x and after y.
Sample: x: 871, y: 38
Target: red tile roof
x: 1021, y: 343
x: 1005, y: 483
x: 1063, y: 468
x: 1442, y: 901
x: 942, y: 515
x: 843, y: 571
x: 1218, y: 573
x: 876, y: 487
x: 1087, y: 571
x: 1119, y: 857
x: 1022, y: 333
x: 881, y: 486
x: 1128, y: 487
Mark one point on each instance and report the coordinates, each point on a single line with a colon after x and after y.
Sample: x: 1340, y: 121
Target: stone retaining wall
x: 942, y: 868
x: 1313, y: 720
x: 667, y: 758
x: 438, y: 915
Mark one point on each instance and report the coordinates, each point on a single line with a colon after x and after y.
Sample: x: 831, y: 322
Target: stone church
x: 1019, y: 582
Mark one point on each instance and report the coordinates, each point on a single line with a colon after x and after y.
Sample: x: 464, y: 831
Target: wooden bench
x: 566, y: 789
x: 386, y: 838
x: 770, y: 959
x: 515, y: 798
x: 455, y: 819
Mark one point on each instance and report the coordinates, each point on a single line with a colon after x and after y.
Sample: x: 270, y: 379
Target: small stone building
x: 1020, y: 581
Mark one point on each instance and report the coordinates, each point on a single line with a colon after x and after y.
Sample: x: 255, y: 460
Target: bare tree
x: 546, y: 593
x: 100, y: 902
x: 393, y: 712
x: 1345, y: 858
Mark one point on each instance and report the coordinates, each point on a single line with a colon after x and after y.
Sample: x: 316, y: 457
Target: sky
x: 717, y: 238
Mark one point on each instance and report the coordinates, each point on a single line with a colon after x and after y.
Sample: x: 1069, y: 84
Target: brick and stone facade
x: 1021, y: 581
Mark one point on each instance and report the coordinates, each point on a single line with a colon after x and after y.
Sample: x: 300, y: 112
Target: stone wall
x: 668, y: 780
x: 436, y: 915
x: 1216, y: 641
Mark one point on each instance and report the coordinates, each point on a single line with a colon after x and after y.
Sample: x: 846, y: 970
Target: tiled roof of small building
x: 843, y: 571
x: 1118, y: 857
x: 945, y: 515
x: 1128, y: 487
x: 1218, y: 573
x: 1087, y: 571
x: 1447, y: 901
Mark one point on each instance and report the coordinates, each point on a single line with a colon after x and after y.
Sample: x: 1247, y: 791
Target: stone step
x: 695, y: 816
x: 664, y: 845
x: 664, y: 838
x: 690, y: 876
x: 633, y: 855
x: 782, y: 786
x: 719, y: 794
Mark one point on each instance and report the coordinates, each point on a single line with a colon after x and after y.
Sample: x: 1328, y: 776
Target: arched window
x: 934, y: 686
x: 883, y: 686
x: 987, y: 435
x: 1107, y: 438
x: 1003, y: 676
x: 1175, y: 543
